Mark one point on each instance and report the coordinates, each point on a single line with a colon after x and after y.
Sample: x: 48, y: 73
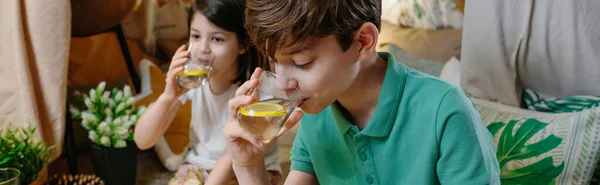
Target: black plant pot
x: 115, y: 166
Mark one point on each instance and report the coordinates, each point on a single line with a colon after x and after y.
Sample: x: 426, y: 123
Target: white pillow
x: 451, y: 72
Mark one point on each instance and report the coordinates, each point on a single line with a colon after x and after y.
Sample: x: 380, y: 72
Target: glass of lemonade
x: 196, y: 71
x: 266, y: 117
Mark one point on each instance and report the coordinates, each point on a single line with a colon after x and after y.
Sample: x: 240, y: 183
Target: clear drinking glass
x: 266, y: 117
x: 196, y: 71
x: 9, y: 176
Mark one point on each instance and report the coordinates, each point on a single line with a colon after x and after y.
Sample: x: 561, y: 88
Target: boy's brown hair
x: 274, y: 24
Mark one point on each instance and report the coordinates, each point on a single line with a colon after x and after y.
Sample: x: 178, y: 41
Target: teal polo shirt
x: 423, y: 131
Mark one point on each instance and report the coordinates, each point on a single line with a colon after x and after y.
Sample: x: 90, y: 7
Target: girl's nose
x: 204, y: 46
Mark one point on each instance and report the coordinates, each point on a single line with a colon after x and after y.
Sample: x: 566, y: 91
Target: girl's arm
x: 153, y: 123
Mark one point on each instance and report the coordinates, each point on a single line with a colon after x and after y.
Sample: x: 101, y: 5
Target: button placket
x: 363, y: 156
x: 369, y: 179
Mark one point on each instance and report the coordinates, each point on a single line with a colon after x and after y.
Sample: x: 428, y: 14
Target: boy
x: 370, y: 120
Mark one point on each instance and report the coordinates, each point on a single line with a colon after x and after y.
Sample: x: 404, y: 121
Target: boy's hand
x: 173, y: 89
x: 244, y: 147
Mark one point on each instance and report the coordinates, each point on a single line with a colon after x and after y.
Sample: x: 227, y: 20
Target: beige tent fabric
x: 551, y: 47
x: 34, y: 51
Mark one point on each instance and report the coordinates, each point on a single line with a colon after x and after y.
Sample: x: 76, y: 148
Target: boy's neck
x: 360, y: 101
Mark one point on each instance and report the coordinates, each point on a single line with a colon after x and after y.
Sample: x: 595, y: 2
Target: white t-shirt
x: 209, y: 116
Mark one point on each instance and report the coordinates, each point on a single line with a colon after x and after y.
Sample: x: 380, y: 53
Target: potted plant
x: 109, y: 117
x: 21, y: 150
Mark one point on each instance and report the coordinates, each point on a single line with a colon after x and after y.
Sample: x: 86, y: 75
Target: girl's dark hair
x: 229, y: 15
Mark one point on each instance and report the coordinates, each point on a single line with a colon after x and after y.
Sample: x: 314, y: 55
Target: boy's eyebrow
x: 300, y: 50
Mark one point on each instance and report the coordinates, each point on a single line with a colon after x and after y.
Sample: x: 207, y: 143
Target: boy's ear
x: 366, y: 35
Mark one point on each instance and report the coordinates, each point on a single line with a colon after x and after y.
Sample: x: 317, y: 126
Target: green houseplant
x: 109, y: 117
x: 20, y: 149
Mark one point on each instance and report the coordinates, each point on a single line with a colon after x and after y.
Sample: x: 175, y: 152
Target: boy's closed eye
x: 302, y: 65
x: 295, y: 64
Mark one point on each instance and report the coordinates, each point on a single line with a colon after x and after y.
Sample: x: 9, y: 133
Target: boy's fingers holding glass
x: 237, y: 102
x: 234, y: 133
x: 256, y: 74
x: 246, y: 87
x: 291, y: 122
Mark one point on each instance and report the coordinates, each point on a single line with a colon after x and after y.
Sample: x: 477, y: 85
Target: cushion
x: 430, y: 67
x: 437, y: 45
x: 543, y: 148
x: 172, y: 147
x: 422, y: 14
x: 544, y: 103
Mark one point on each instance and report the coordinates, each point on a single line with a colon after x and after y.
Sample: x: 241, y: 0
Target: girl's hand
x: 173, y: 89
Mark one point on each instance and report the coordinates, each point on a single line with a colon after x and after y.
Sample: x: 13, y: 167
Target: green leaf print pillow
x: 543, y: 148
x: 543, y: 103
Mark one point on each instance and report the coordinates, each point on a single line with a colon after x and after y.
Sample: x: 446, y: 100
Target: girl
x: 216, y: 28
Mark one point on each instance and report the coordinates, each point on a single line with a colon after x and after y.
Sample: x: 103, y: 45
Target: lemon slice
x: 263, y: 109
x: 194, y: 72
